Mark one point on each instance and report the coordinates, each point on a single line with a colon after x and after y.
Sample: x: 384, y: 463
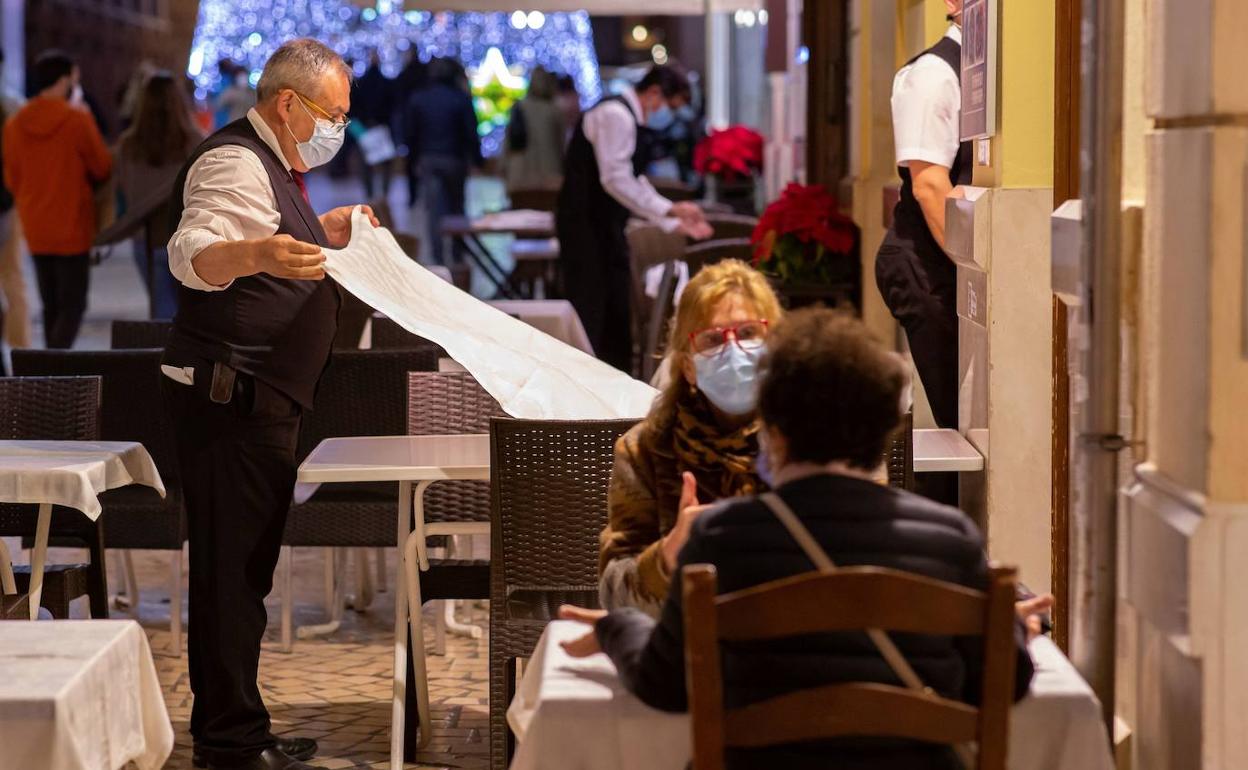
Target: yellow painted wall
x: 1023, y: 151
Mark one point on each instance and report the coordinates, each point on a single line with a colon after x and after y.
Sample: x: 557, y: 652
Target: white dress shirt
x: 612, y: 131
x: 927, y: 106
x: 227, y: 197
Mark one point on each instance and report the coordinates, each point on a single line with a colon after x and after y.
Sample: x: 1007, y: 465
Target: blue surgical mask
x: 661, y: 119
x: 728, y: 376
x: 324, y: 143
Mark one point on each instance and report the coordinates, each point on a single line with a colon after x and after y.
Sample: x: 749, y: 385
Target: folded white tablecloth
x: 556, y: 317
x: 571, y: 714
x: 530, y: 373
x: 72, y: 473
x: 80, y: 695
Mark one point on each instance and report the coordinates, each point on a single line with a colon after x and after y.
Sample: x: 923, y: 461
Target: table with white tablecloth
x: 571, y: 714
x: 67, y: 473
x: 80, y: 695
x: 555, y: 317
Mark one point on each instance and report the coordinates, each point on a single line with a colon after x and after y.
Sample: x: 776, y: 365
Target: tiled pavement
x: 335, y: 689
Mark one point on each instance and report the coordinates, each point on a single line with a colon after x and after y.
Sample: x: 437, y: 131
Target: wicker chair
x: 706, y: 253
x: 901, y: 455
x: 55, y: 409
x: 650, y: 246
x: 731, y: 226
x: 362, y: 393
x: 127, y: 335
x: 388, y: 335
x: 548, y: 504
x: 135, y: 517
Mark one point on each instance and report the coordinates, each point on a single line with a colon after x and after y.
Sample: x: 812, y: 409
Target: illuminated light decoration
x: 640, y: 33
x: 519, y: 19
x: 254, y: 39
x: 495, y: 90
x: 659, y: 54
x: 744, y: 18
x: 762, y: 17
x: 561, y: 42
x: 803, y: 54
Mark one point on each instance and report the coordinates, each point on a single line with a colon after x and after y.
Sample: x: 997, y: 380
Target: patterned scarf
x: 722, y: 464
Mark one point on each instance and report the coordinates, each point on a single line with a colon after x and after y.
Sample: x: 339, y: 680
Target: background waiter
x: 602, y: 185
x: 255, y: 322
x: 915, y: 276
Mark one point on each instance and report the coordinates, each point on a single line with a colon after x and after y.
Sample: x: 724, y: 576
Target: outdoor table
x: 574, y: 714
x: 80, y: 695
x: 939, y: 450
x: 67, y: 473
x: 555, y: 317
x: 421, y: 460
x: 521, y: 224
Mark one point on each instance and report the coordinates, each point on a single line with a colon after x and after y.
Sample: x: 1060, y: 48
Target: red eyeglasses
x: 709, y: 340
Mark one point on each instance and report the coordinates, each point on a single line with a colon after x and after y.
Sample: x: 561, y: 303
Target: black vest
x: 583, y: 202
x: 276, y: 329
x: 908, y: 221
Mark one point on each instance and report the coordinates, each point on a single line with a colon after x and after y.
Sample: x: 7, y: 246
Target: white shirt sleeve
x: 927, y: 104
x: 227, y: 197
x: 612, y: 131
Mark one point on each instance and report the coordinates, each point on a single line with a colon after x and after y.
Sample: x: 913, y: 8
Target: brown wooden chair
x: 848, y: 599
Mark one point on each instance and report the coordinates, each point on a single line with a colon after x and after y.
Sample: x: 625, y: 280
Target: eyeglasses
x: 339, y: 124
x: 747, y: 335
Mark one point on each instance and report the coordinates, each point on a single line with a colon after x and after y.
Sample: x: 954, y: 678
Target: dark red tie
x: 303, y: 188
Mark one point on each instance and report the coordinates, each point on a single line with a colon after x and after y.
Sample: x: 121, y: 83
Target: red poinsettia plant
x: 731, y: 154
x: 802, y: 237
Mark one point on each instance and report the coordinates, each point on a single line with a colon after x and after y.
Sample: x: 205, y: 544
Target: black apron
x: 593, y: 252
x: 919, y: 282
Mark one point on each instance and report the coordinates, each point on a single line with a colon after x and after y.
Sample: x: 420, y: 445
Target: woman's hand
x: 337, y: 224
x: 1030, y: 611
x: 583, y: 646
x: 687, y: 512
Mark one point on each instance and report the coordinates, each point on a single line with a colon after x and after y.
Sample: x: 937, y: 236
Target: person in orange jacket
x: 53, y: 157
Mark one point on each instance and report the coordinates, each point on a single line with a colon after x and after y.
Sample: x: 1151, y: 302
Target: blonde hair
x: 693, y: 313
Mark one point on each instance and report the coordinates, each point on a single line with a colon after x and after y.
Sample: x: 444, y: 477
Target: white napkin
x: 530, y: 373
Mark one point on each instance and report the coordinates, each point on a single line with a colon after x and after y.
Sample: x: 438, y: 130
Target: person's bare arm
x: 931, y: 188
x: 278, y: 255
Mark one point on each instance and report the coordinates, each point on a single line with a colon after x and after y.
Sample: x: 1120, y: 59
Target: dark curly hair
x: 830, y: 389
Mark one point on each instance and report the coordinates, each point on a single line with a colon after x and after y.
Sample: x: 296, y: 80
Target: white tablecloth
x: 80, y: 695
x: 72, y: 473
x: 571, y: 714
x: 556, y: 317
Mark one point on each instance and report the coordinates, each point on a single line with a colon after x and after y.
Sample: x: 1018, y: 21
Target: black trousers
x: 237, y: 464
x: 921, y: 292
x: 444, y: 181
x: 63, y: 281
x: 597, y: 281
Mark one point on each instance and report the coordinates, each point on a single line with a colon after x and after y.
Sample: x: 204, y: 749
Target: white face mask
x: 324, y: 143
x: 75, y: 95
x: 728, y: 376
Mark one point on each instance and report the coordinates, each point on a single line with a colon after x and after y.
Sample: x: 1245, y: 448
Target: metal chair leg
x: 380, y: 553
x: 132, y: 583
x: 288, y: 598
x: 175, y: 601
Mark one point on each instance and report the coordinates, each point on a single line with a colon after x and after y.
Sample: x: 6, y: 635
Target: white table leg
x: 380, y: 553
x: 132, y: 582
x: 38, y: 555
x: 399, y: 693
x: 8, y: 583
x: 337, y: 567
x: 411, y: 578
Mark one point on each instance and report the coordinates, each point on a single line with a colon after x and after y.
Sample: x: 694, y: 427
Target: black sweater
x: 857, y: 522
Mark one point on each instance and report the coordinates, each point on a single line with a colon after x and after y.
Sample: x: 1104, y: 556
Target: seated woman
x: 828, y: 401
x: 700, y: 439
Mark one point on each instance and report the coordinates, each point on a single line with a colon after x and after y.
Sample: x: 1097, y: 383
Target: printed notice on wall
x: 979, y: 69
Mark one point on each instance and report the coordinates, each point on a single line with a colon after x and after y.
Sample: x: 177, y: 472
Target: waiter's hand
x: 692, y: 221
x: 285, y: 257
x: 337, y: 224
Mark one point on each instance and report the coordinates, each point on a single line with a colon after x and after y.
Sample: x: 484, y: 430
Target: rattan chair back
x: 901, y: 455
x: 388, y: 335
x: 50, y: 408
x: 127, y: 335
x: 700, y: 255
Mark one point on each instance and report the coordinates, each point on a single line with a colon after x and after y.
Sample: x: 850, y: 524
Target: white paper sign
x: 530, y: 373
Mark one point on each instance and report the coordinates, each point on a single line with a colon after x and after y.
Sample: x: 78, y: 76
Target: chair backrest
x: 130, y: 335
x: 441, y: 403
x: 50, y: 408
x: 649, y: 246
x: 901, y: 455
x: 388, y: 335
x: 541, y: 198
x: 849, y: 599
x: 548, y: 501
x: 673, y: 189
x: 699, y: 255
x: 130, y: 402
x: 729, y: 226
x: 363, y: 393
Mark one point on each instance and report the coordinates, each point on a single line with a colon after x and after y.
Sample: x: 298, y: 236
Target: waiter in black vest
x: 252, y: 335
x: 603, y: 185
x: 915, y: 276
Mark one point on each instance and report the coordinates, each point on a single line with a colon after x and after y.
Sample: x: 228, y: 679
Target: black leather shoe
x: 269, y: 759
x: 295, y: 748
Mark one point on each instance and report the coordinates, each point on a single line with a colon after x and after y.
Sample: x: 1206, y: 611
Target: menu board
x: 979, y: 69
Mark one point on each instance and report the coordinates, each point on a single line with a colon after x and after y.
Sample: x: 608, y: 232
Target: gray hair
x: 299, y: 64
